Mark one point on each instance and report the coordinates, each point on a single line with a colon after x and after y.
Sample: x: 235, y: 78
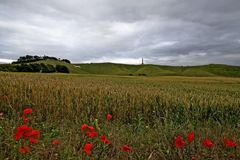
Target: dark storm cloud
x: 173, y: 32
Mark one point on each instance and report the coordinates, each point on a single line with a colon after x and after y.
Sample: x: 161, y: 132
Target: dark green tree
x: 62, y: 69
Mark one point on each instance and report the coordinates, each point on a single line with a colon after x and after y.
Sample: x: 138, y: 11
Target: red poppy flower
x: 56, y: 142
x: 88, y: 148
x: 26, y: 120
x: 18, y: 135
x: 103, y: 137
x: 109, y: 117
x: 229, y: 143
x: 92, y: 134
x: 126, y: 148
x: 27, y: 111
x: 24, y: 149
x: 22, y: 131
x: 208, y: 143
x: 191, y: 136
x: 91, y: 128
x: 23, y: 128
x: 33, y: 141
x: 84, y: 126
x: 105, y: 140
x: 179, y: 142
x: 33, y: 134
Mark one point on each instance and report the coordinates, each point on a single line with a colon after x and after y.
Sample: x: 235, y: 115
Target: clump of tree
x: 7, y: 68
x: 36, y: 67
x: 62, y: 69
x: 66, y: 60
x: 29, y: 59
x: 48, y: 68
x: 25, y: 64
x: 33, y: 67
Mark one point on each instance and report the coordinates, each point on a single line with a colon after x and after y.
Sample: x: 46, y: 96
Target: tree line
x: 34, y: 67
x: 29, y: 59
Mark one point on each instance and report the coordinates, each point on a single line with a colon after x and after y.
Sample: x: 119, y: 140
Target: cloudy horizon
x: 163, y: 32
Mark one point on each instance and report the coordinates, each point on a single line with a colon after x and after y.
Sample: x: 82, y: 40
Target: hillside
x: 142, y: 70
x: 159, y: 70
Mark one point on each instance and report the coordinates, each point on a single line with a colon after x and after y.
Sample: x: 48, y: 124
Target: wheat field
x: 148, y: 113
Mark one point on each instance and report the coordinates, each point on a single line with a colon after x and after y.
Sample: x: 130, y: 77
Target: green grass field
x: 159, y: 70
x: 148, y: 113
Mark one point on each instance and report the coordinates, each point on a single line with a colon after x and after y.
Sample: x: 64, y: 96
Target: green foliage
x: 47, y: 68
x: 72, y: 68
x: 30, y: 59
x: 66, y: 60
x: 62, y: 69
x: 35, y: 67
x: 31, y: 67
x: 7, y: 68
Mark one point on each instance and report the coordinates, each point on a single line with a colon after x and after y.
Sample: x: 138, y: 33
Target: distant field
x: 148, y: 113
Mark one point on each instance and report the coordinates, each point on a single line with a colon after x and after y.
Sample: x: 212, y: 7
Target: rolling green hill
x: 147, y: 69
x: 160, y: 70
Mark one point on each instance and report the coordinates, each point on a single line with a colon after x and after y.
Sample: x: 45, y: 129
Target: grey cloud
x: 172, y: 32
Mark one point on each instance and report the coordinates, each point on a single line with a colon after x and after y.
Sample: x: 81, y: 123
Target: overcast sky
x: 172, y: 32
